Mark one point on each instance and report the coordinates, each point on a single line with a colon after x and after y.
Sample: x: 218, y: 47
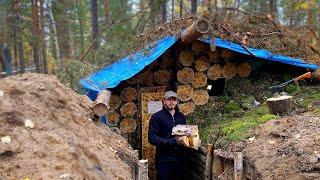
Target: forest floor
x: 47, y: 132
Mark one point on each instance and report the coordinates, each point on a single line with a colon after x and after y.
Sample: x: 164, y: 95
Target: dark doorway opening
x: 216, y: 87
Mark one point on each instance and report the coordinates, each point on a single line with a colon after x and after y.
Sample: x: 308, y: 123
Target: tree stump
x: 186, y: 58
x: 101, y: 104
x: 202, y: 63
x: 214, y: 72
x: 282, y: 105
x: 229, y: 70
x: 128, y: 109
x: 200, y: 97
x: 185, y: 92
x: 244, y: 69
x: 129, y: 94
x: 199, y: 80
x: 185, y: 75
x: 128, y: 125
x: 187, y: 108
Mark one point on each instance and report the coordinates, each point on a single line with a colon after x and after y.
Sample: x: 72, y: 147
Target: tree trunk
x: 53, y: 28
x: 80, y: 19
x: 106, y: 17
x: 164, y: 10
x: 43, y: 42
x: 16, y: 7
x: 172, y: 10
x: 181, y: 7
x: 35, y: 43
x: 194, y: 6
x: 309, y: 17
x: 153, y: 12
x: 94, y: 22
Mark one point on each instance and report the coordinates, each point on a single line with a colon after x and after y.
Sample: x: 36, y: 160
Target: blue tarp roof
x: 112, y: 75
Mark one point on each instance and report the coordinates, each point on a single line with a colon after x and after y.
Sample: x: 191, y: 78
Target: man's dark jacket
x: 159, y: 135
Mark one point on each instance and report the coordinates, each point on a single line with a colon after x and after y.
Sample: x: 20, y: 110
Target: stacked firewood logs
x: 197, y: 65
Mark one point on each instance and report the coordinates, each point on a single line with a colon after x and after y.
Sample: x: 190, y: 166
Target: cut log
x: 197, y: 29
x: 143, y: 170
x: 214, y: 72
x: 129, y: 94
x: 184, y: 140
x: 146, y: 78
x: 187, y: 108
x: 185, y: 92
x: 200, y: 48
x: 101, y: 105
x: 282, y: 105
x: 167, y: 61
x: 214, y: 57
x: 162, y: 76
x: 186, y: 58
x: 217, y: 166
x: 200, y: 97
x: 185, y: 130
x: 115, y: 101
x: 133, y: 80
x: 238, y: 165
x: 207, y: 173
x: 194, y: 142
x: 128, y: 109
x: 229, y: 70
x: 226, y: 55
x: 113, y: 117
x: 244, y: 69
x: 202, y: 63
x: 128, y: 125
x: 185, y: 75
x: 199, y: 80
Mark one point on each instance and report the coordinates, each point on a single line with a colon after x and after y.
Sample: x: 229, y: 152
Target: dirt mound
x: 47, y: 133
x: 288, y: 148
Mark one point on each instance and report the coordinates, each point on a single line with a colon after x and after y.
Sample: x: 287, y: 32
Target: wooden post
x: 207, y: 174
x: 238, y: 165
x: 198, y: 28
x: 143, y: 170
x: 217, y: 166
x: 101, y: 105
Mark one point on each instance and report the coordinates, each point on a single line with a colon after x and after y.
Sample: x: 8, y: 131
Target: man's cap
x: 170, y: 94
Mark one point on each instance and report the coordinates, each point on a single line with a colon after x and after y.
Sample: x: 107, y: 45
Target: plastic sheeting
x: 127, y: 67
x: 111, y: 76
x: 261, y: 53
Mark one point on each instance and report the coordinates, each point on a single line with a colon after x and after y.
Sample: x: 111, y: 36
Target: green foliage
x: 232, y: 106
x: 293, y: 89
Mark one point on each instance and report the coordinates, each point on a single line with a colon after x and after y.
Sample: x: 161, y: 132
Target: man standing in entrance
x: 169, y: 151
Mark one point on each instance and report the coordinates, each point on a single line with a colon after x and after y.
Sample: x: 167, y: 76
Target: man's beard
x: 170, y: 108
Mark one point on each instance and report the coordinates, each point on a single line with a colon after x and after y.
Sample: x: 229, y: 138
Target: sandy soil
x: 64, y: 142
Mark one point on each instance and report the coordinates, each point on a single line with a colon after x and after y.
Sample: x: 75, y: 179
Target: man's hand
x: 183, y: 140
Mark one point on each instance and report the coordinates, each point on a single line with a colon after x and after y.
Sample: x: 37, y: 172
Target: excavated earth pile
x: 46, y: 132
x: 288, y: 148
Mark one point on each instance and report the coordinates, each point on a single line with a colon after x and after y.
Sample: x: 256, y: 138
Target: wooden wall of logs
x: 197, y: 65
x: 187, y: 66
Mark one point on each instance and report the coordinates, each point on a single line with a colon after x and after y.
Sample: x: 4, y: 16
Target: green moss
x: 232, y: 106
x: 317, y: 111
